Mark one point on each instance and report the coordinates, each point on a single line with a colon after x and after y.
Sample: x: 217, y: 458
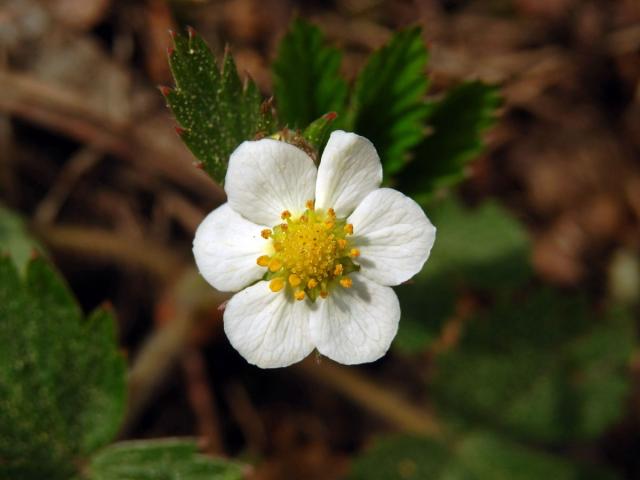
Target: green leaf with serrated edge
x: 388, y: 105
x: 15, y: 240
x: 483, y: 248
x: 548, y: 370
x: 474, y: 456
x: 318, y: 132
x: 171, y: 459
x: 62, y: 380
x: 306, y: 76
x: 216, y: 112
x: 457, y: 123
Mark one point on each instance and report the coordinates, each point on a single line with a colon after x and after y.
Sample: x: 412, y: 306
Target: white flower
x: 312, y: 252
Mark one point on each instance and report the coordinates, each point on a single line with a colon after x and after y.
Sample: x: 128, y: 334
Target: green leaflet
x: 306, y: 76
x: 62, y: 380
x: 474, y: 456
x: 482, y: 248
x: 171, y: 459
x: 216, y: 112
x: 548, y: 371
x: 457, y: 122
x: 388, y: 102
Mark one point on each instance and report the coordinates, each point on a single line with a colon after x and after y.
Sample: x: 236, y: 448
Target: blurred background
x: 89, y: 157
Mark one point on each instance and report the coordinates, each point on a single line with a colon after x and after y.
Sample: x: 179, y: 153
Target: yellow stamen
x: 284, y: 227
x: 299, y: 295
x: 294, y: 280
x: 310, y: 204
x: 342, y: 243
x: 276, y: 284
x: 329, y: 225
x: 354, y: 252
x: 275, y: 265
x: 266, y: 233
x: 312, y: 283
x: 324, y: 293
x: 338, y: 269
x: 346, y: 282
x: 263, y: 260
x: 348, y: 229
x: 286, y: 214
x: 331, y: 212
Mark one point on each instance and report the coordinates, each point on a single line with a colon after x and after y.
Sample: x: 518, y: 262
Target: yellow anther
x: 286, y: 214
x: 277, y: 246
x: 338, y: 269
x: 266, y: 233
x: 284, y: 227
x: 312, y: 283
x: 348, y: 229
x: 324, y: 293
x: 329, y: 225
x: 263, y: 260
x: 304, y: 219
x: 310, y: 204
x: 331, y: 212
x: 294, y: 280
x: 275, y: 265
x: 299, y: 295
x: 354, y: 252
x: 276, y: 284
x: 342, y: 243
x: 346, y: 282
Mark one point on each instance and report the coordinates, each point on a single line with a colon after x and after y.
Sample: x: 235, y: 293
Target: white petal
x: 268, y: 329
x: 356, y: 325
x: 393, y: 234
x: 266, y: 177
x: 226, y: 247
x: 350, y: 168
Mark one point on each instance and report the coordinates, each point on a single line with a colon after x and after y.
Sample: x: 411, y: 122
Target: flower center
x: 311, y: 253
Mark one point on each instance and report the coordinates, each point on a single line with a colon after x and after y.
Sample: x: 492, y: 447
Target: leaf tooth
x: 179, y: 130
x: 164, y: 90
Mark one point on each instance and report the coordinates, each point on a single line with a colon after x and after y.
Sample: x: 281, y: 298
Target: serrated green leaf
x: 15, y: 240
x: 457, y: 122
x: 546, y: 370
x: 483, y: 248
x: 62, y: 380
x: 159, y: 460
x: 214, y: 109
x: 306, y: 76
x: 388, y: 102
x: 476, y: 456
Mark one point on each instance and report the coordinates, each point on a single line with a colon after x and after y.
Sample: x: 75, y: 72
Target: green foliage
x: 317, y: 133
x: 387, y: 105
x: 388, y: 101
x: 62, y: 380
x: 15, y: 241
x: 215, y: 110
x: 457, y: 121
x: 476, y: 456
x: 482, y: 248
x: 159, y: 460
x: 306, y: 76
x: 548, y: 370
